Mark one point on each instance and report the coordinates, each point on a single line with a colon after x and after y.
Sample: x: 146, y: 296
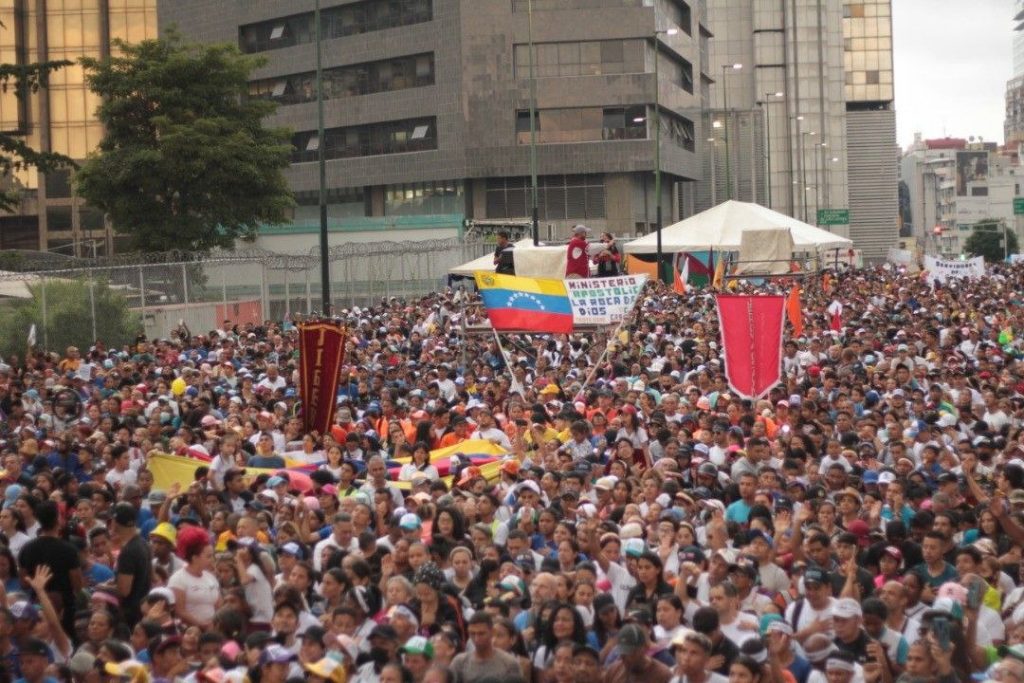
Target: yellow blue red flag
x: 525, y: 304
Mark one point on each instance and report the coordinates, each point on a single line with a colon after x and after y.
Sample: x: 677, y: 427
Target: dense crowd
x: 861, y: 523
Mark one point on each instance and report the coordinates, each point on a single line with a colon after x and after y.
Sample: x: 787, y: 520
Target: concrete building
x: 427, y: 108
x: 61, y: 118
x: 872, y: 155
x: 1013, y: 125
x: 954, y: 184
x: 784, y: 106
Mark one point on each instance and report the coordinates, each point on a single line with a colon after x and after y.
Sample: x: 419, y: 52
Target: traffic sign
x: 1018, y: 206
x: 833, y: 216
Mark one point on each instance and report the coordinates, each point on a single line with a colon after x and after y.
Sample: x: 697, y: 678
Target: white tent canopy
x: 540, y: 261
x: 721, y: 228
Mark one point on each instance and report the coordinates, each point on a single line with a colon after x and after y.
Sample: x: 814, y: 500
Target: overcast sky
x: 952, y: 60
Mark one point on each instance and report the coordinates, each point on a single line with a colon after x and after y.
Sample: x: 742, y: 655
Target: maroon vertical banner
x: 321, y: 352
x: 751, y: 328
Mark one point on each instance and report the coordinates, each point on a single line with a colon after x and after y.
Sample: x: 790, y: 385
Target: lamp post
x: 657, y: 149
x: 726, y: 68
x: 714, y: 198
x: 803, y: 171
x: 325, y: 264
x: 800, y: 168
x: 533, y: 127
x: 768, y: 142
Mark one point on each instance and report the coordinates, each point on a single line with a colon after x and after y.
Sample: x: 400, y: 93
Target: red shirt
x: 577, y: 260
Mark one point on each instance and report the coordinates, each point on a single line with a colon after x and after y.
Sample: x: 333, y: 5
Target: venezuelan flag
x: 525, y: 303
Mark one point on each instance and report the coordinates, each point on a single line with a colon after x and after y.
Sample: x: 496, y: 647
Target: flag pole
x: 608, y: 343
x: 508, y: 366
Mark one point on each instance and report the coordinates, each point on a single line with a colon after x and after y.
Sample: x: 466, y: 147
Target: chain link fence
x: 69, y: 300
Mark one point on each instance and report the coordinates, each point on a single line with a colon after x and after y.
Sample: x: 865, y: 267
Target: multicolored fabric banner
x: 525, y: 304
x: 321, y: 352
x: 752, y: 341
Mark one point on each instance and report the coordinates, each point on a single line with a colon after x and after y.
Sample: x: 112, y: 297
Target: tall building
x: 1013, y: 124
x: 778, y: 75
x: 427, y: 122
x: 872, y: 153
x: 61, y: 118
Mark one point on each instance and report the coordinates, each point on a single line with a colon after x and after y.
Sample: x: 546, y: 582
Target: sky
x: 952, y: 59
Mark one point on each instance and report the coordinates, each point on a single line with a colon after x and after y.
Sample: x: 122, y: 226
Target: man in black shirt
x: 723, y: 650
x: 134, y: 563
x: 60, y: 556
x: 504, y: 260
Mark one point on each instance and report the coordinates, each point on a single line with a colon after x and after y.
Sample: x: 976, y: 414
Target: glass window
x: 335, y: 22
x: 58, y: 218
x: 392, y: 137
x: 58, y: 184
x: 387, y: 75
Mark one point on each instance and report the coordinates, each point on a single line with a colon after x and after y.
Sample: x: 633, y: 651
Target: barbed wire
x: 25, y: 265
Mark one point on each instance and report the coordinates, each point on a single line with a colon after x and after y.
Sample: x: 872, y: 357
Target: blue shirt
x: 738, y: 511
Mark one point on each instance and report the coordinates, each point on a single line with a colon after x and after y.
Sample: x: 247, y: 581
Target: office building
x: 61, y: 118
x: 427, y: 123
x: 778, y: 75
x: 956, y: 183
x: 1013, y: 126
x: 872, y: 155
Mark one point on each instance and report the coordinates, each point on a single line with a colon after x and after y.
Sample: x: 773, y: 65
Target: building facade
x: 61, y: 118
x: 427, y: 123
x: 872, y: 155
x: 953, y: 185
x: 778, y: 70
x: 1013, y: 125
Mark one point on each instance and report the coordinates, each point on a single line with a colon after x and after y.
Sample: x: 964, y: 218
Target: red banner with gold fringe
x: 321, y: 352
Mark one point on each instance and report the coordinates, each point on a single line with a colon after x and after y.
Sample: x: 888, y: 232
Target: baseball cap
x: 276, y: 654
x: 328, y: 668
x: 631, y: 638
x: 410, y: 522
x: 166, y: 531
x: 24, y: 610
x: 418, y: 645
x: 815, y: 575
x: 34, y: 646
x: 846, y: 608
x: 161, y: 593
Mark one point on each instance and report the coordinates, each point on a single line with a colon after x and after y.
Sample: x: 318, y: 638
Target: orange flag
x: 826, y: 283
x: 679, y: 280
x: 794, y: 312
x: 719, y: 277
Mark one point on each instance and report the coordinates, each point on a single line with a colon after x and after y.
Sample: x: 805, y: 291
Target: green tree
x: 68, y: 309
x: 986, y: 240
x: 186, y: 162
x: 15, y: 154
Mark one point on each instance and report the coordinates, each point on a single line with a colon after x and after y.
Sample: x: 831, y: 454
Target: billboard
x: 972, y: 174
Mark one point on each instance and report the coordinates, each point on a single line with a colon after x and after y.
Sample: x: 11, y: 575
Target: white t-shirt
x: 201, y: 593
x: 734, y: 631
x: 259, y: 595
x: 120, y: 479
x: 808, y: 615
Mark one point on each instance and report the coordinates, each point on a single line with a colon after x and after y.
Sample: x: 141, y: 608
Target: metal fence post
x: 92, y: 304
x: 46, y: 344
x: 142, y: 292
x: 309, y: 299
x: 287, y: 292
x: 264, y: 291
x: 184, y: 285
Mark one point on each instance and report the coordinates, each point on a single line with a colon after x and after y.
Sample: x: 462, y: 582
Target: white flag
x: 32, y: 335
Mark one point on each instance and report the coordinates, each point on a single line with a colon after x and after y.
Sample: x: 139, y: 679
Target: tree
x: 69, y: 306
x: 986, y: 240
x: 186, y: 162
x: 15, y: 154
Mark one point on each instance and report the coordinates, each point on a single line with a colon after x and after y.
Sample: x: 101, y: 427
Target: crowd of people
x: 862, y: 522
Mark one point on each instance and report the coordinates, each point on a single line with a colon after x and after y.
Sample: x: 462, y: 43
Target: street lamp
x: 726, y: 68
x: 657, y: 147
x: 800, y: 168
x: 321, y: 151
x: 714, y: 185
x: 533, y: 127
x: 803, y: 171
x: 768, y: 142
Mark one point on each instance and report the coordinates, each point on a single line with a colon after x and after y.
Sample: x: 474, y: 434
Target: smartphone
x: 975, y: 594
x: 940, y: 627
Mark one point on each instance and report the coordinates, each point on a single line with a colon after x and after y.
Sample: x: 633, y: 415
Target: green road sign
x: 1018, y: 206
x: 833, y: 216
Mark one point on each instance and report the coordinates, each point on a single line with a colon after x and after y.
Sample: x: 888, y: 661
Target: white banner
x: 603, y: 300
x: 942, y: 270
x: 901, y: 257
